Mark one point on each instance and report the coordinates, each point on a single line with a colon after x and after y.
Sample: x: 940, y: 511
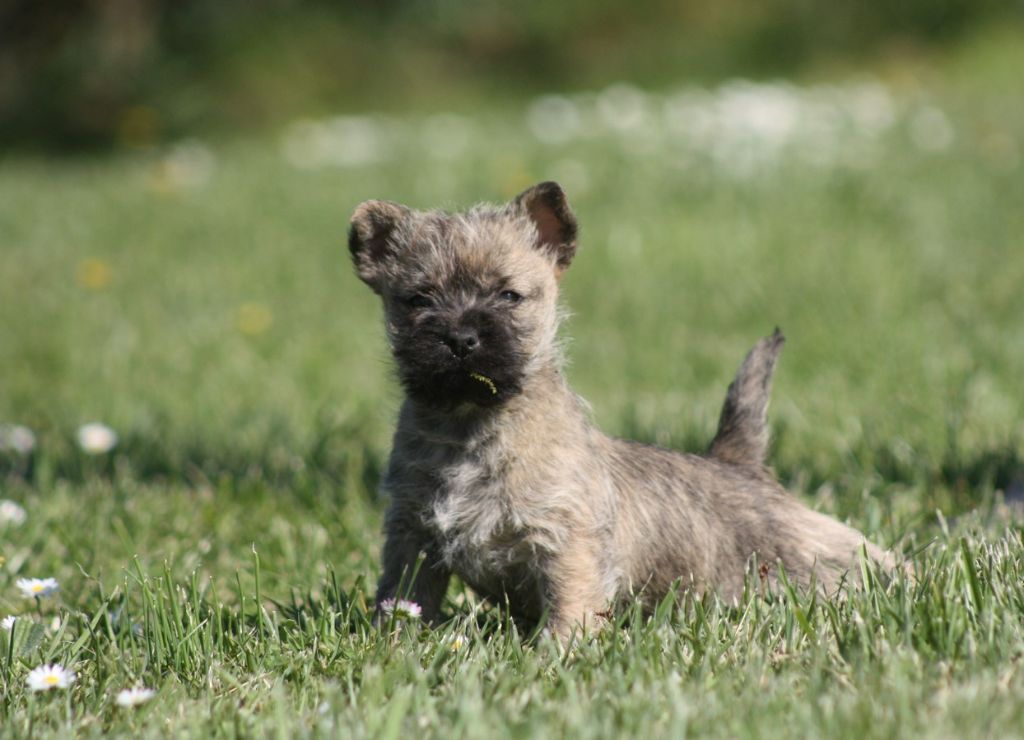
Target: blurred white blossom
x: 872, y: 107
x: 738, y: 129
x: 342, y: 141
x: 554, y: 119
x: 17, y: 438
x: 186, y: 165
x: 623, y: 107
x: 12, y: 513
x: 133, y: 697
x: 447, y: 135
x: 930, y: 130
x: 96, y: 438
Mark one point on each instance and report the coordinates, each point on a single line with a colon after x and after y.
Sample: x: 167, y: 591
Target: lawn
x: 197, y: 298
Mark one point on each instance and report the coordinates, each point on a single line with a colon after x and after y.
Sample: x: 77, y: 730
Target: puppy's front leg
x: 413, y: 571
x: 574, y: 592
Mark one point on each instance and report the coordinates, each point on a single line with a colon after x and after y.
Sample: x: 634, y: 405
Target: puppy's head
x: 470, y: 299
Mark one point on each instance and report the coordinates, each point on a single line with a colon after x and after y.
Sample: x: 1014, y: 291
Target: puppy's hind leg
x: 742, y: 437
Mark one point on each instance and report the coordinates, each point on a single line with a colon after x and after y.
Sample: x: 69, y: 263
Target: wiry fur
x: 517, y: 492
x: 742, y: 436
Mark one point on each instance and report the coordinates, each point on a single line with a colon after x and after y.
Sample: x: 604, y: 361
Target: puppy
x: 497, y: 473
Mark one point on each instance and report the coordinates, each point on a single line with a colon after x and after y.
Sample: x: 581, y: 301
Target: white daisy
x: 12, y: 513
x: 134, y: 697
x: 34, y: 588
x: 401, y: 609
x: 47, y: 677
x: 8, y: 622
x: 96, y: 438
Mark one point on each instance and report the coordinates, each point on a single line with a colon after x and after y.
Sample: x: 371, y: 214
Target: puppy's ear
x: 547, y: 207
x: 372, y: 235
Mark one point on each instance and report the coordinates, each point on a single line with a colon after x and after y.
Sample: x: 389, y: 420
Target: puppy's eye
x: 510, y: 296
x: 418, y: 301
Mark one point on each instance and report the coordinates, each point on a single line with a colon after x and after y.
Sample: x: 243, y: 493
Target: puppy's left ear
x: 547, y: 207
x: 373, y: 235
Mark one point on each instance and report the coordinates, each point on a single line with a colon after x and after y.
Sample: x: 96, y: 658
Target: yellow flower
x: 94, y: 274
x: 253, y: 319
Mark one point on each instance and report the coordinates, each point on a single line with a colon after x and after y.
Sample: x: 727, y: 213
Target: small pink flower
x: 401, y: 609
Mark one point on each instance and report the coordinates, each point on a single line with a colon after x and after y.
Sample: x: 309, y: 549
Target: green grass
x: 224, y: 552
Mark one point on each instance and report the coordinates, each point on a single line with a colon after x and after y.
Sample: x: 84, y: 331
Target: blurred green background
x: 177, y: 178
x: 77, y: 73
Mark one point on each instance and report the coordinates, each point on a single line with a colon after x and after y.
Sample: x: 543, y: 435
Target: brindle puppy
x: 497, y: 473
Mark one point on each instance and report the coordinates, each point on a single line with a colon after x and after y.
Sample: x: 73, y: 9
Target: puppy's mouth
x: 438, y: 371
x: 486, y: 381
x: 448, y: 385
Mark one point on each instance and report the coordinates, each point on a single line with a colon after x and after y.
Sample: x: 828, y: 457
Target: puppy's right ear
x: 372, y: 235
x: 545, y: 204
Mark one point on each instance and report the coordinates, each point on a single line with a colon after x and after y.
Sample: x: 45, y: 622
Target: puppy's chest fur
x: 490, y: 516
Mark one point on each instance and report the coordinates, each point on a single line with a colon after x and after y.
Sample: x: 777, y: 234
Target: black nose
x: 463, y: 342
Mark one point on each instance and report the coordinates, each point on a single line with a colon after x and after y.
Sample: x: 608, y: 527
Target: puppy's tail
x: 742, y: 437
